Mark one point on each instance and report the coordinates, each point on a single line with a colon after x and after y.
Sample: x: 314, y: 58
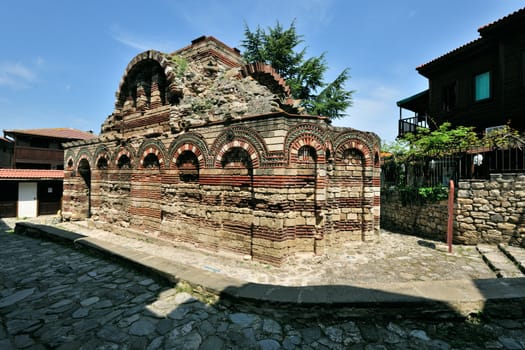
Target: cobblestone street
x: 52, y: 296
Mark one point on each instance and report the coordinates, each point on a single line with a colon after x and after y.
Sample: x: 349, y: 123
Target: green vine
x: 422, y: 195
x: 181, y: 65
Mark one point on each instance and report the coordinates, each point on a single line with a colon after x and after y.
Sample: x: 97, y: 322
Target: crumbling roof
x: 60, y: 133
x: 23, y: 174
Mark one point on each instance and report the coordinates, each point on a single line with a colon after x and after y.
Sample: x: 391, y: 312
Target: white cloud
x: 141, y: 43
x: 15, y: 75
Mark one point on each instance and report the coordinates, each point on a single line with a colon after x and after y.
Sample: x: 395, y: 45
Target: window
x: 482, y: 86
x: 448, y: 96
x: 306, y: 154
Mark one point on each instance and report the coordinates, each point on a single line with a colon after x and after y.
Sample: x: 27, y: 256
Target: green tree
x: 278, y: 47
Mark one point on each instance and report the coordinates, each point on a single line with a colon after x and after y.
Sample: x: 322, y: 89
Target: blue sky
x: 61, y: 60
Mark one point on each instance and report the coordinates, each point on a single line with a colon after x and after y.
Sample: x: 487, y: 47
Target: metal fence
x: 474, y: 163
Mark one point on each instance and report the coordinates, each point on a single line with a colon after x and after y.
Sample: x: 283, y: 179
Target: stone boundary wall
x: 426, y: 220
x: 486, y: 211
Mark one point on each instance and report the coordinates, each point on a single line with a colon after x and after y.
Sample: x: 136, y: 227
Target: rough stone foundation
x: 486, y: 211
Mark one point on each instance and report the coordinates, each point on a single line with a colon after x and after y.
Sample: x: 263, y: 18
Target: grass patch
x: 198, y: 292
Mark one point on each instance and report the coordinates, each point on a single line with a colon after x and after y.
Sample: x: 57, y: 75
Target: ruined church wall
x: 206, y: 149
x: 279, y: 205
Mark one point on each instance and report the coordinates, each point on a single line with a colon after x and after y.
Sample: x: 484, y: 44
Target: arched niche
x: 102, y: 163
x: 237, y: 158
x: 188, y: 166
x: 144, y: 85
x: 124, y: 162
x: 151, y: 161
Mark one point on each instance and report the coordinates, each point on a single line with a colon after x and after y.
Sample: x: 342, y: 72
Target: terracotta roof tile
x: 22, y: 174
x: 63, y: 133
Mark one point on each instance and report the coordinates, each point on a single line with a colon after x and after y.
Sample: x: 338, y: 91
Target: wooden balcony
x: 38, y: 155
x: 410, y: 125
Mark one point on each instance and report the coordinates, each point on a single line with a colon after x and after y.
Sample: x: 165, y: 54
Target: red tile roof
x: 22, y: 174
x: 61, y: 133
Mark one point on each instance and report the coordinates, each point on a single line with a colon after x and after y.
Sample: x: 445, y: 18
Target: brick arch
x: 310, y: 130
x: 69, y: 156
x: 252, y: 152
x: 83, y: 154
x: 161, y: 70
x: 150, y: 55
x: 368, y: 143
x: 152, y: 147
x: 356, y: 144
x: 268, y: 76
x: 240, y: 134
x: 369, y: 139
x: 101, y: 152
x: 306, y: 139
x: 187, y: 142
x: 124, y: 151
x: 191, y: 148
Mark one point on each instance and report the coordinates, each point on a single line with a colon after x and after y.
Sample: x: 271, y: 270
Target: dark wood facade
x: 480, y: 84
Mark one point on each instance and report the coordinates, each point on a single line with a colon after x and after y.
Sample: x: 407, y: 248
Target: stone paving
x: 396, y: 258
x: 54, y: 297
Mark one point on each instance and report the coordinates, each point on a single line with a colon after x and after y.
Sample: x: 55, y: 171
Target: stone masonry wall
x: 205, y: 150
x: 486, y: 211
x: 278, y: 204
x: 426, y: 220
x: 493, y: 210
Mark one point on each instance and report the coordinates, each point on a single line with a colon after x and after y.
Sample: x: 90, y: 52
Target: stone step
x: 498, y: 261
x: 515, y: 254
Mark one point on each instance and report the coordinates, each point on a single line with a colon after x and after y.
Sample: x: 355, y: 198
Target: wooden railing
x: 410, y: 125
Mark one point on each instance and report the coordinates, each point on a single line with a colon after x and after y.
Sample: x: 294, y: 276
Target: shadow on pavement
x: 79, y: 300
x: 426, y: 244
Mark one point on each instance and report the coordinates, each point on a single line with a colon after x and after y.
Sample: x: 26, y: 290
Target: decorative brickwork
x: 204, y: 149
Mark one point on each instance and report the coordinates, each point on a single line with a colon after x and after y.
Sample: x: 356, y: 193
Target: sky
x: 61, y: 61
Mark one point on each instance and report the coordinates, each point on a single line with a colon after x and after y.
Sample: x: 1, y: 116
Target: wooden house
x: 480, y: 84
x: 31, y: 170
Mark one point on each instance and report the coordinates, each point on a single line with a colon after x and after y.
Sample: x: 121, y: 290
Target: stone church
x: 205, y: 149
